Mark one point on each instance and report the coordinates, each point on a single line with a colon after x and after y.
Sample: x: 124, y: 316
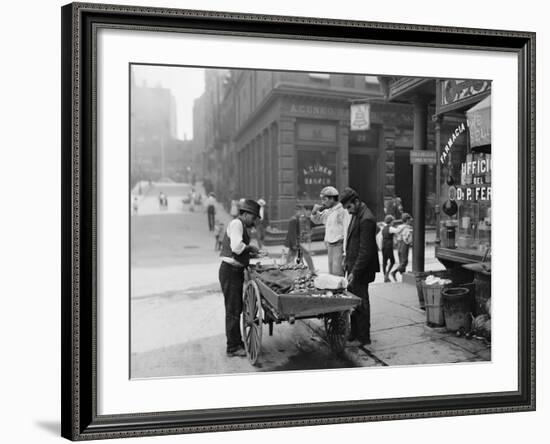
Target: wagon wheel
x: 252, y: 321
x: 337, y: 326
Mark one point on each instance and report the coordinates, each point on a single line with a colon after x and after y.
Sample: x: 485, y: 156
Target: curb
x: 358, y: 356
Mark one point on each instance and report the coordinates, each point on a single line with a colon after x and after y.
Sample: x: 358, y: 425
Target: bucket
x: 458, y: 275
x: 433, y: 305
x: 456, y: 308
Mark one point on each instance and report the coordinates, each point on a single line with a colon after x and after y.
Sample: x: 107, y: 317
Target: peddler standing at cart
x: 361, y: 261
x: 335, y: 218
x: 235, y: 252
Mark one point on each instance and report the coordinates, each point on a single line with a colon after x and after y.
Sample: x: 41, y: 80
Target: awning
x: 479, y: 123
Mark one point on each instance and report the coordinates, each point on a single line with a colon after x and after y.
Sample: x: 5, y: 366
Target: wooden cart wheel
x: 337, y: 327
x: 252, y: 321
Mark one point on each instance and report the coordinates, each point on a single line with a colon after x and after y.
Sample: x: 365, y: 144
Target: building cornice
x: 310, y: 92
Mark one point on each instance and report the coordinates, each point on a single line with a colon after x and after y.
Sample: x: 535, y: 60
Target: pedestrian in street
x: 294, y: 238
x: 404, y: 238
x: 394, y: 207
x: 218, y: 235
x: 388, y: 255
x: 192, y: 197
x: 262, y: 223
x: 361, y: 261
x: 234, y: 208
x: 235, y: 253
x: 210, y: 204
x: 335, y: 218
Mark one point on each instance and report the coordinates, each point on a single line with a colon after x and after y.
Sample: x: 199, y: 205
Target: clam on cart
x: 264, y: 305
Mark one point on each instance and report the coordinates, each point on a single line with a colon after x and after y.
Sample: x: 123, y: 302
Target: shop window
x: 316, y: 132
x: 466, y: 195
x: 316, y: 170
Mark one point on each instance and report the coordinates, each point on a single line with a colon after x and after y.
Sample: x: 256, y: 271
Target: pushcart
x: 262, y: 305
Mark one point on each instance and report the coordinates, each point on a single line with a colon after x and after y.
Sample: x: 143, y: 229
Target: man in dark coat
x: 360, y: 261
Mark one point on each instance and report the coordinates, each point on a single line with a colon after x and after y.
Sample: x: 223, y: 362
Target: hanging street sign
x: 360, y: 117
x: 423, y: 157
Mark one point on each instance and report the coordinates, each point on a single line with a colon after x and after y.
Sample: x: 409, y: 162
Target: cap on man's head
x: 348, y: 195
x: 251, y: 206
x: 261, y: 202
x: 329, y: 192
x: 405, y: 217
x: 388, y: 219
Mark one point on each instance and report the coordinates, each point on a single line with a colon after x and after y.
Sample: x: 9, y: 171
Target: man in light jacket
x: 335, y: 218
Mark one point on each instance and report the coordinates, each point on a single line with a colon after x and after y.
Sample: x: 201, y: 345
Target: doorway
x: 404, y: 178
x: 363, y: 178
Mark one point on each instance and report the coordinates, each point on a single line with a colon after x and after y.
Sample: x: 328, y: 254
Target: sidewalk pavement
x: 320, y: 247
x: 401, y: 336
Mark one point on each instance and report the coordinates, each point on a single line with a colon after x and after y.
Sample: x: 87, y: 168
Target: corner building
x: 291, y: 135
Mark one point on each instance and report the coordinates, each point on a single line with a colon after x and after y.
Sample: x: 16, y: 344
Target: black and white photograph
x: 274, y: 222
x: 289, y: 220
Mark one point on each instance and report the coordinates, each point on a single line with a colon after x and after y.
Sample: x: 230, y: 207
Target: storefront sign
x: 447, y: 148
x: 475, y: 178
x: 473, y: 194
x: 452, y: 94
x: 476, y: 169
x: 423, y: 157
x: 360, y: 117
x: 318, y: 175
x: 316, y: 170
x: 314, y: 110
x: 479, y: 123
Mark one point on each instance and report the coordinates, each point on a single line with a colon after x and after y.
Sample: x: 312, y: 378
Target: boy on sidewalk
x: 404, y: 238
x: 388, y: 256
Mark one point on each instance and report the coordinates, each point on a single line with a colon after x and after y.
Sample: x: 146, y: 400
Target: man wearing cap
x: 361, y: 261
x: 235, y: 252
x: 335, y: 218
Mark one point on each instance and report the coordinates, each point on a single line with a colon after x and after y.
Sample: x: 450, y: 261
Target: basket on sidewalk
x: 458, y: 275
x: 433, y: 303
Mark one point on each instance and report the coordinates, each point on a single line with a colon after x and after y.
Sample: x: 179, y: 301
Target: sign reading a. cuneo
x: 422, y: 157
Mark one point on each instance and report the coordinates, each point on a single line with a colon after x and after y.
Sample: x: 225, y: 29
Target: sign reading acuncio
x: 314, y: 110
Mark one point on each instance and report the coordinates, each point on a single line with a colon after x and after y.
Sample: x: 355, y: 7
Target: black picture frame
x: 80, y: 420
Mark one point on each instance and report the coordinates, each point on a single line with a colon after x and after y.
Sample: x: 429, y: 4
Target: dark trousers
x: 403, y: 252
x: 232, y: 280
x: 360, y: 317
x: 387, y: 256
x: 211, y: 211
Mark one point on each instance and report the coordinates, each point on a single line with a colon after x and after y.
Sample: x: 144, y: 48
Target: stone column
x: 438, y: 120
x: 343, y: 155
x: 389, y: 163
x: 420, y: 142
x: 287, y: 171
